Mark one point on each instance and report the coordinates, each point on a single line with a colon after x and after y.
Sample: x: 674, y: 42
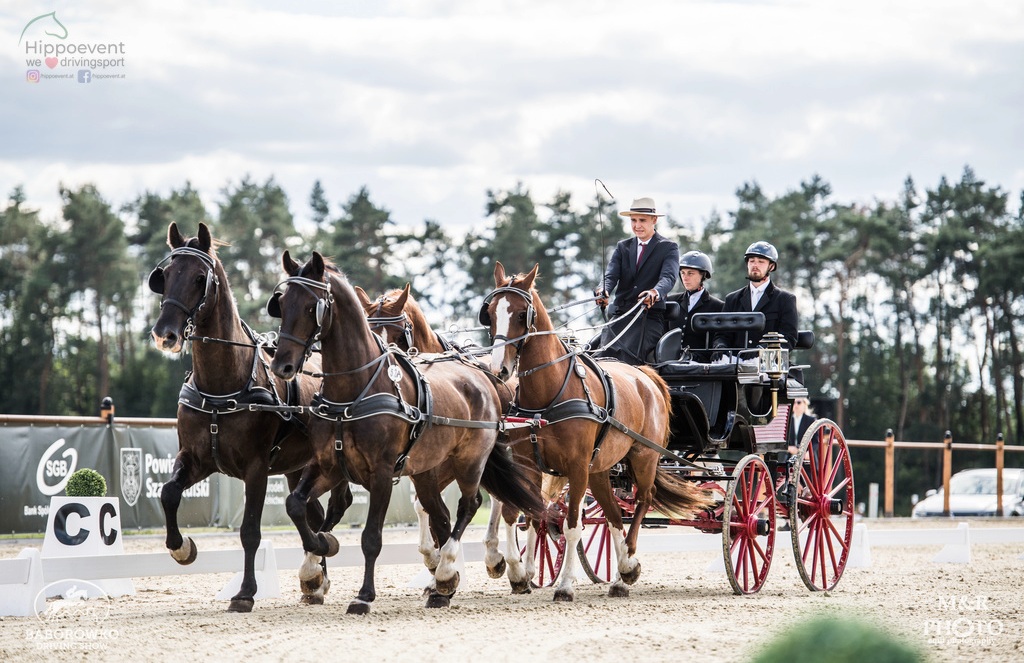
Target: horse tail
x: 508, y: 483
x: 678, y: 498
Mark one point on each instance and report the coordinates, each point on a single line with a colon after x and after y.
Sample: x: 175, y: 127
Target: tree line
x: 915, y: 301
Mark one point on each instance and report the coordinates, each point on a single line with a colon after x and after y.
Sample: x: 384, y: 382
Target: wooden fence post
x: 947, y: 470
x: 890, y: 468
x: 999, y: 475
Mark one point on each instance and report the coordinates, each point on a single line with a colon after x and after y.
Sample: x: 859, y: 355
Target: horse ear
x: 528, y: 279
x: 364, y: 299
x: 499, y: 273
x: 317, y: 264
x: 291, y: 268
x: 174, y: 238
x: 403, y: 297
x: 205, y: 239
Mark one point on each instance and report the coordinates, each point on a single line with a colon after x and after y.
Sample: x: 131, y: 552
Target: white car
x: 973, y: 493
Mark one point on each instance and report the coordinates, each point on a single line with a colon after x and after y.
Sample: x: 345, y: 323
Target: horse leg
x: 447, y: 575
x: 435, y: 530
x: 493, y: 559
x: 182, y: 550
x: 249, y: 533
x: 519, y: 573
x: 565, y: 588
x: 628, y: 567
x: 313, y: 581
x: 371, y: 541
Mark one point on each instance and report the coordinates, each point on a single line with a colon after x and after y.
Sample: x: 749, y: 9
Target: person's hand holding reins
x: 648, y: 297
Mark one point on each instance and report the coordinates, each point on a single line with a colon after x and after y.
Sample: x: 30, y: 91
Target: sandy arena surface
x: 677, y: 611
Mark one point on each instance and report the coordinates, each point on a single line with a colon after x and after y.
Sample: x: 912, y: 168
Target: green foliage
x: 85, y: 482
x: 834, y: 640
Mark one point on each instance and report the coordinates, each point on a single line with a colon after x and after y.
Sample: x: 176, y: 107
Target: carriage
x: 729, y: 434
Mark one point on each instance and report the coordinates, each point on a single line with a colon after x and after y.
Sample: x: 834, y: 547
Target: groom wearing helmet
x: 694, y: 270
x: 778, y: 305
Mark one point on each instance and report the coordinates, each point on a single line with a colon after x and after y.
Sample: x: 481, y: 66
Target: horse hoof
x: 521, y: 587
x: 619, y: 591
x: 187, y: 553
x: 498, y: 570
x: 358, y: 607
x: 630, y: 577
x: 564, y: 596
x: 311, y: 585
x: 332, y: 544
x: 312, y: 599
x: 448, y: 587
x: 241, y: 605
x: 438, y: 601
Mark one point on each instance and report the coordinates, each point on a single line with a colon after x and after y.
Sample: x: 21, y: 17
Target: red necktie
x: 640, y: 254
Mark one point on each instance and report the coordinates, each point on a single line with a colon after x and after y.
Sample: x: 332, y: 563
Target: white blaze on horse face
x: 502, y: 322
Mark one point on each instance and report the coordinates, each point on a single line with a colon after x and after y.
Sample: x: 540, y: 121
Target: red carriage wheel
x: 597, y: 554
x: 822, y: 522
x: 549, y: 551
x: 748, y: 527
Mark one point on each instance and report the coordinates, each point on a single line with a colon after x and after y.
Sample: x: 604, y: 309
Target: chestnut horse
x: 599, y: 414
x: 380, y: 417
x: 233, y: 416
x: 397, y: 316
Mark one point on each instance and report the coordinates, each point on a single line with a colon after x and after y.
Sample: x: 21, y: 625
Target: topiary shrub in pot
x: 86, y: 482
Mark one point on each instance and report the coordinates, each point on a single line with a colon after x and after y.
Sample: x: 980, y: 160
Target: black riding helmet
x: 763, y: 249
x: 696, y: 260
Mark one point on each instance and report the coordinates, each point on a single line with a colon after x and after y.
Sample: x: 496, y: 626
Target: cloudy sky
x: 430, y: 103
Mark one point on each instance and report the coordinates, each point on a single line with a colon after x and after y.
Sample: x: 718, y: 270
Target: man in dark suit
x: 642, y: 269
x: 694, y: 270
x: 778, y: 305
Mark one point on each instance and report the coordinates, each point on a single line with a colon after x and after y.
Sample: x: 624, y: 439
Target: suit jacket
x: 705, y: 304
x: 779, y: 308
x: 658, y: 270
x: 797, y: 433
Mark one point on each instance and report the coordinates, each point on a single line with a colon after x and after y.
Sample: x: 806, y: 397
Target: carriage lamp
x: 107, y: 410
x: 773, y: 361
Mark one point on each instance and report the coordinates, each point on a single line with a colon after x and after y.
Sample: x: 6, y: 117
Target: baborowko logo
x: 76, y: 620
x: 45, y: 43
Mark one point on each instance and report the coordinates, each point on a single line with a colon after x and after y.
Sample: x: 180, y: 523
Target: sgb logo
x: 50, y: 468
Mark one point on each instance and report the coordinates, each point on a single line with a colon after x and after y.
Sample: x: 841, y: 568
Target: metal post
x: 872, y: 500
x: 999, y: 475
x: 890, y: 469
x: 947, y: 470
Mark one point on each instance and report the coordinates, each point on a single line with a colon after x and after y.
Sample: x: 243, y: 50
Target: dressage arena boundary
x: 23, y: 578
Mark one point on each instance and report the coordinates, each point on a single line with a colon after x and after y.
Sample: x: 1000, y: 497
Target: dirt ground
x: 677, y: 611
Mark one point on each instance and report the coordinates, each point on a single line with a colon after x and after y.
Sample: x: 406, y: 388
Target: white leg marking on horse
x: 426, y: 545
x: 182, y: 553
x: 492, y: 556
x: 567, y: 576
x: 626, y: 564
x: 449, y: 554
x: 515, y: 570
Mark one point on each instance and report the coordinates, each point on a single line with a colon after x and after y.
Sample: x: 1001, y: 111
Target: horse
x: 397, y: 316
x: 379, y: 417
x: 233, y: 416
x: 599, y: 415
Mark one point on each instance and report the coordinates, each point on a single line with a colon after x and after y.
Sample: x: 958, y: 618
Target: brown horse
x: 379, y: 417
x: 398, y: 317
x: 233, y: 416
x: 598, y: 416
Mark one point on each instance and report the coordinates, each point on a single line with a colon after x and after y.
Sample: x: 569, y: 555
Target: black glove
x: 601, y: 296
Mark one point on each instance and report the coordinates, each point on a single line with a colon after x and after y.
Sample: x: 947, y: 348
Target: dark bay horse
x: 379, y: 416
x: 397, y: 316
x: 233, y: 416
x: 597, y: 414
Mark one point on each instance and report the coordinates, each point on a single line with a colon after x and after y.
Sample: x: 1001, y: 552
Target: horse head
x: 392, y: 316
x: 189, y: 284
x: 304, y: 303
x: 510, y: 314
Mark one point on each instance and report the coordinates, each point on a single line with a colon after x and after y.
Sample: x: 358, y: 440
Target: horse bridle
x: 399, y: 322
x: 484, y: 318
x: 322, y: 314
x: 158, y: 285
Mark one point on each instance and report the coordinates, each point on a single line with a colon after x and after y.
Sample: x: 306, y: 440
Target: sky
x: 431, y: 103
